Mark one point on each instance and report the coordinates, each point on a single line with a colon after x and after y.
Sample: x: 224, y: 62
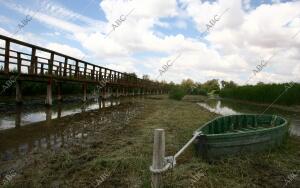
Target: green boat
x: 243, y: 133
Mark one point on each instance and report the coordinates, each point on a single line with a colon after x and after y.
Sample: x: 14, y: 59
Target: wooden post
x: 97, y: 76
x: 50, y: 64
x: 76, y: 69
x: 109, y: 76
x: 70, y: 70
x: 84, y: 71
x: 35, y: 65
x: 84, y: 86
x: 19, y: 61
x: 118, y: 77
x: 6, y: 58
x: 42, y: 68
x: 65, y: 66
x: 18, y: 92
x: 100, y: 73
x: 59, y: 87
x: 93, y: 72
x: 18, y: 116
x: 59, y: 111
x: 158, y: 157
x: 48, y: 114
x: 49, y: 93
x: 60, y: 69
x: 105, y: 72
x: 32, y: 63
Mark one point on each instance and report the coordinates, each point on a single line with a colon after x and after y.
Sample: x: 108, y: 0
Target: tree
x: 211, y: 85
x: 132, y: 74
x: 146, y: 77
x: 187, y: 85
x: 228, y: 85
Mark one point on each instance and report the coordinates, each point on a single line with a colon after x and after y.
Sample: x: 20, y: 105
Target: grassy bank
x: 119, y: 155
x: 265, y: 93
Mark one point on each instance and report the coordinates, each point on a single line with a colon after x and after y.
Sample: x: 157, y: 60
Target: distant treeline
x: 287, y: 94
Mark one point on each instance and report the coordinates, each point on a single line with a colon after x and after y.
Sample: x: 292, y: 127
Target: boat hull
x: 253, y: 140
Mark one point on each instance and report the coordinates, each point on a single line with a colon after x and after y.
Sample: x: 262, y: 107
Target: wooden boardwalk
x: 28, y: 62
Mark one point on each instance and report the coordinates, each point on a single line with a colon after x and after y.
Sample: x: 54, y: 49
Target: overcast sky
x: 156, y: 32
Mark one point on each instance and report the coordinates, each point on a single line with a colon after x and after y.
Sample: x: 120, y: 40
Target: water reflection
x: 21, y: 117
x: 16, y: 142
x: 218, y: 108
x: 225, y: 107
x: 41, y: 141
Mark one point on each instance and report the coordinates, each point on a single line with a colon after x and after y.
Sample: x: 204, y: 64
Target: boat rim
x: 261, y: 130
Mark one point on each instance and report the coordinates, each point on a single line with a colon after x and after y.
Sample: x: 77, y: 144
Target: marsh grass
x: 126, y: 154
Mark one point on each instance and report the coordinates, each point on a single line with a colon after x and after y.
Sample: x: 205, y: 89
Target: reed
x: 265, y: 93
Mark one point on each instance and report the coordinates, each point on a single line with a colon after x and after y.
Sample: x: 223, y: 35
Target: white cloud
x: 231, y: 50
x: 65, y: 49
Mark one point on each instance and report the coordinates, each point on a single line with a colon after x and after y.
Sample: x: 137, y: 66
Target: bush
x: 198, y: 91
x: 177, y: 93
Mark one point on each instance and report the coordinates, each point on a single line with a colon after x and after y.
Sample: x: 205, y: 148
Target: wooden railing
x: 42, y: 62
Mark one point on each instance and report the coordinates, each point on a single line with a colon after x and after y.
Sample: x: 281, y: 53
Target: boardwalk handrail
x: 52, y: 67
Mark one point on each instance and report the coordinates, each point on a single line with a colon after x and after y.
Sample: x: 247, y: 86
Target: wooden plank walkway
x: 29, y: 62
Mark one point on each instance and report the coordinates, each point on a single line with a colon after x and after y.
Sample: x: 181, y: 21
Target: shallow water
x: 226, y: 107
x: 21, y: 116
x: 20, y: 135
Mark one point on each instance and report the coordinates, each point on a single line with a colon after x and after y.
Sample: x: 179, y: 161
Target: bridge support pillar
x: 117, y: 93
x: 49, y: 93
x: 108, y: 92
x: 105, y: 93
x: 84, y: 86
x: 18, y: 116
x: 100, y: 93
x: 59, y: 96
x: 18, y: 92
